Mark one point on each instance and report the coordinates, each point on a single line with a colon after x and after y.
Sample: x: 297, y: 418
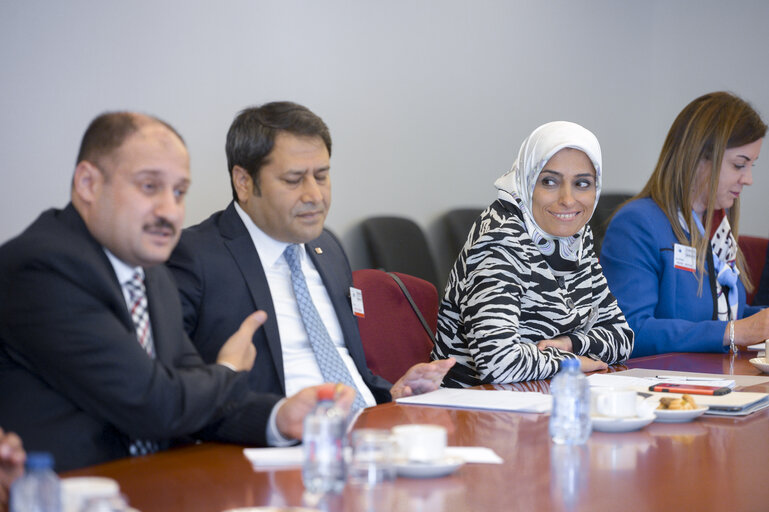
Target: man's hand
x: 239, y: 351
x: 290, y: 417
x: 421, y: 378
x: 12, y: 459
x: 561, y: 343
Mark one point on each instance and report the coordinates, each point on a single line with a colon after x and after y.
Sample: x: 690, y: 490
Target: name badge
x: 684, y: 257
x: 356, y: 299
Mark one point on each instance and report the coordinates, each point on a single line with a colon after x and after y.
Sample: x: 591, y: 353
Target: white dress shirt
x: 300, y: 367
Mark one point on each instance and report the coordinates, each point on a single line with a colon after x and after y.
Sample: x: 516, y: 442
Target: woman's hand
x: 752, y: 329
x: 561, y: 343
x: 588, y: 365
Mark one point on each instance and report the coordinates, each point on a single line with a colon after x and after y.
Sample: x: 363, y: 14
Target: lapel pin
x: 318, y: 250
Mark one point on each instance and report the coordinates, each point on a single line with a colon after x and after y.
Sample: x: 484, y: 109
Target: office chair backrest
x: 608, y: 203
x: 397, y: 244
x: 393, y: 338
x: 458, y: 223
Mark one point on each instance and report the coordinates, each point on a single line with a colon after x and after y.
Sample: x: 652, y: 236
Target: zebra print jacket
x: 502, y: 298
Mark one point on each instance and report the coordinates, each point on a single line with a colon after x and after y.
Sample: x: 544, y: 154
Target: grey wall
x: 427, y: 101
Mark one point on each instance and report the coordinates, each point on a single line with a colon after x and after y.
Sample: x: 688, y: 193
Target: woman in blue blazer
x: 681, y: 290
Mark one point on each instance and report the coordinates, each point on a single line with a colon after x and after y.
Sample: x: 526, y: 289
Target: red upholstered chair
x: 393, y: 338
x: 754, y: 249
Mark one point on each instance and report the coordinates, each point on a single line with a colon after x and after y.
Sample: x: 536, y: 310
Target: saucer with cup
x: 422, y: 451
x: 618, y: 410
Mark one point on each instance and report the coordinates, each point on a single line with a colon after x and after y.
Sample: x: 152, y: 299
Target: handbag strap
x: 413, y: 306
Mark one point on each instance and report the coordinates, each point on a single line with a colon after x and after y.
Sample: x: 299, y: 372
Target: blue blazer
x: 660, y: 302
x: 221, y: 280
x: 74, y: 380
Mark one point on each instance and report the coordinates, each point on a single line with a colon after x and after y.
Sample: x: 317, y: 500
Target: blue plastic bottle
x: 323, y: 470
x: 38, y: 490
x: 570, y: 416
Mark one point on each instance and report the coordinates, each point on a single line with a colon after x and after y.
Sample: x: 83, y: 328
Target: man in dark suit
x: 235, y: 262
x: 94, y: 361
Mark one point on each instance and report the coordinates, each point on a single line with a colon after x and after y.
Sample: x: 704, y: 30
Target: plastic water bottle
x: 570, y: 417
x: 38, y: 490
x: 323, y: 470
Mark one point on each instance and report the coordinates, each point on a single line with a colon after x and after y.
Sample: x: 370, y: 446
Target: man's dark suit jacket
x: 221, y: 280
x: 74, y: 380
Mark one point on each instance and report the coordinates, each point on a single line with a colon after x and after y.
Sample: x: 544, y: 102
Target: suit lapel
x: 161, y: 331
x: 102, y: 279
x: 335, y: 281
x: 239, y: 243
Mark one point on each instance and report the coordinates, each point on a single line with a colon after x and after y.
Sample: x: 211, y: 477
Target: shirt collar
x: 270, y: 250
x: 123, y: 270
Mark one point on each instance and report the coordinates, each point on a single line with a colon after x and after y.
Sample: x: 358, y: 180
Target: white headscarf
x: 517, y: 185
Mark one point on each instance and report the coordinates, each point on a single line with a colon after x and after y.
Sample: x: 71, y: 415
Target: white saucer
x: 678, y: 416
x: 606, y: 424
x: 435, y: 469
x: 271, y: 509
x: 760, y: 363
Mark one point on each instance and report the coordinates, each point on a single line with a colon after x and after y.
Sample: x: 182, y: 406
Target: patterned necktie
x: 141, y: 318
x: 330, y: 362
x: 139, y: 313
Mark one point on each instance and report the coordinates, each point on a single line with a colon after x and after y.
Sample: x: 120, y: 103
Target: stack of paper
x: 498, y: 400
x: 621, y: 381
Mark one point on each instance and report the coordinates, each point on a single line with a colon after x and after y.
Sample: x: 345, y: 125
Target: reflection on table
x: 712, y: 463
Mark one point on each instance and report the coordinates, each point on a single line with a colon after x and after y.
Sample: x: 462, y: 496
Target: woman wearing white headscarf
x: 526, y: 292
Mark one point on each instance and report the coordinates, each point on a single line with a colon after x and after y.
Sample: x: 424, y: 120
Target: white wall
x: 427, y: 101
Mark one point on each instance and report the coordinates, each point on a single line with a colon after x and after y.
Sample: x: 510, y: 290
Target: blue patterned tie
x: 330, y: 362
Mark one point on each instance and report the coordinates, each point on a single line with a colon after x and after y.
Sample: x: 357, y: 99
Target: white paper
x: 498, y: 400
x: 610, y: 380
x: 474, y: 454
x: 270, y: 458
x: 620, y: 381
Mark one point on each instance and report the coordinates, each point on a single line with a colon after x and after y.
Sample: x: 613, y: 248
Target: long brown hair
x: 702, y: 131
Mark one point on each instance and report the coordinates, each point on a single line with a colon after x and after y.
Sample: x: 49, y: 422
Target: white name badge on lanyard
x: 356, y: 299
x: 684, y: 257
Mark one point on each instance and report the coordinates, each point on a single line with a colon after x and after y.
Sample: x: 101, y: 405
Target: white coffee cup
x: 420, y: 443
x: 76, y: 492
x: 614, y: 402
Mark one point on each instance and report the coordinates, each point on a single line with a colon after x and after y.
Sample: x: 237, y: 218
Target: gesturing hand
x: 421, y: 378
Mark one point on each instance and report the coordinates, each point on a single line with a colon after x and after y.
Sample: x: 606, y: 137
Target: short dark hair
x: 252, y: 133
x: 108, y: 131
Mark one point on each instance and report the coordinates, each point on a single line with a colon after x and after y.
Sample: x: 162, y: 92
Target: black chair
x: 607, y: 205
x: 458, y: 223
x: 397, y: 244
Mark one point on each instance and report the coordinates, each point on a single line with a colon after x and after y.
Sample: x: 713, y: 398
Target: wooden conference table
x: 711, y: 463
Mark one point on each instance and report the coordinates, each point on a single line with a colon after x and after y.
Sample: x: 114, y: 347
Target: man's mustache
x: 161, y: 224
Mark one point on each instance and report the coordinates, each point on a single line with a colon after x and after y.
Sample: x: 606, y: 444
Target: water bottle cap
x: 325, y: 393
x: 569, y: 364
x: 39, y: 460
